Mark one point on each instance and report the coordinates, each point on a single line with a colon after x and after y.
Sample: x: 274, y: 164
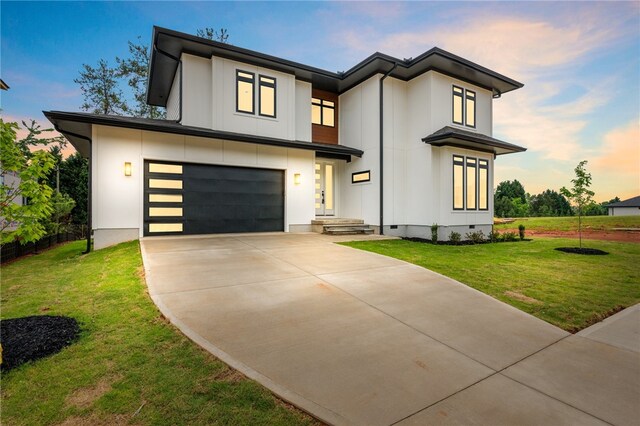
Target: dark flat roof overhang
x: 449, y: 136
x: 77, y: 126
x: 168, y: 45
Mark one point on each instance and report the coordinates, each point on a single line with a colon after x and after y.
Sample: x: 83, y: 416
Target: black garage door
x: 201, y: 199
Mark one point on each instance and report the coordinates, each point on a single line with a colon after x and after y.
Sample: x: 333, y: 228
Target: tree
x: 549, y: 203
x: 101, y: 91
x: 135, y: 69
x: 580, y: 193
x: 35, y: 138
x: 221, y: 35
x: 504, y: 203
x: 32, y: 169
x: 74, y: 175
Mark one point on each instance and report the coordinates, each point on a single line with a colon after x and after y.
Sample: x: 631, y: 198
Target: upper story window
x: 470, y: 183
x: 245, y: 91
x: 267, y: 96
x: 464, y: 106
x: 246, y: 94
x: 323, y: 112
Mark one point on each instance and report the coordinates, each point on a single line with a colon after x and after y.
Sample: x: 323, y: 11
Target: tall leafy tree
x: 135, y: 70
x: 32, y: 169
x: 549, y: 203
x: 510, y: 199
x: 580, y: 193
x: 100, y: 87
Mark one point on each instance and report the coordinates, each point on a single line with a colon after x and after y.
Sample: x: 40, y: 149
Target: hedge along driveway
x: 128, y: 356
x: 568, y: 290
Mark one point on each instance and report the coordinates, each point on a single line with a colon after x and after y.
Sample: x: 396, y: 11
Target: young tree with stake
x: 580, y: 194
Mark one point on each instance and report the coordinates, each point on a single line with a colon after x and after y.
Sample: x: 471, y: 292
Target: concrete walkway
x: 357, y: 338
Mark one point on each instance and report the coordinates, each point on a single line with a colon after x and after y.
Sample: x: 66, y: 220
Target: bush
x: 455, y: 237
x: 494, y: 236
x: 475, y: 237
x: 521, y: 231
x: 509, y: 236
x: 434, y: 233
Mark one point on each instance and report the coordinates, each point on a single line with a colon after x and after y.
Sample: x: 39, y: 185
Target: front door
x: 325, y: 189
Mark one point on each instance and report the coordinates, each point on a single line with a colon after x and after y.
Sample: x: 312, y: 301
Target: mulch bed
x: 584, y: 250
x: 31, y: 338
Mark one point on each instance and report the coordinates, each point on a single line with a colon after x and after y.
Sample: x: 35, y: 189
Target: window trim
x: 465, y: 109
x: 484, y: 165
x: 453, y: 104
x: 275, y: 93
x: 322, y: 106
x: 353, y: 175
x: 453, y: 181
x: 240, y: 78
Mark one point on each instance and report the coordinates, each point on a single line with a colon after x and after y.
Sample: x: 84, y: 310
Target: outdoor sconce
x: 127, y: 169
x: 296, y: 179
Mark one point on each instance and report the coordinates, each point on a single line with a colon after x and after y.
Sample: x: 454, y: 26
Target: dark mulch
x: 584, y: 250
x: 31, y: 338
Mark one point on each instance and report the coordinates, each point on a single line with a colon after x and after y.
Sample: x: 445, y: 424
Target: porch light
x: 296, y: 179
x: 127, y: 168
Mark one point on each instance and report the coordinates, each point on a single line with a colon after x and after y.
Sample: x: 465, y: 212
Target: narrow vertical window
x: 267, y: 96
x: 470, y: 106
x: 470, y: 175
x: 316, y: 111
x: 458, y: 114
x: 245, y: 89
x: 483, y: 185
x: 458, y: 182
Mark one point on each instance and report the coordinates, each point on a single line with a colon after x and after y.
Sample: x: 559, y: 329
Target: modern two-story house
x: 255, y: 143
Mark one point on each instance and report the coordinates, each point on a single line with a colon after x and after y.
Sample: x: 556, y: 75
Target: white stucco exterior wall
x: 624, y: 211
x: 117, y: 200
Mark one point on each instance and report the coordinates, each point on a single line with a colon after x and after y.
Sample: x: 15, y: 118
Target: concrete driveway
x: 357, y: 338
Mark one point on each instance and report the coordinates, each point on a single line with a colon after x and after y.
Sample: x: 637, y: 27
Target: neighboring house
x: 630, y: 207
x: 255, y: 143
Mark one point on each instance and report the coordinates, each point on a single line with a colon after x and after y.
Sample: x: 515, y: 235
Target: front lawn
x: 129, y: 365
x: 570, y: 223
x: 568, y: 290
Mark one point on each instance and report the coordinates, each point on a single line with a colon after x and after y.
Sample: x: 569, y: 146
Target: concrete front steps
x: 340, y: 226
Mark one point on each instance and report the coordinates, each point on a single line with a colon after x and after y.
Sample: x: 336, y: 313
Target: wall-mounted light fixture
x: 296, y: 178
x: 127, y: 169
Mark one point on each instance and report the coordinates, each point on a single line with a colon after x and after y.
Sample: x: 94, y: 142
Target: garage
x: 184, y: 198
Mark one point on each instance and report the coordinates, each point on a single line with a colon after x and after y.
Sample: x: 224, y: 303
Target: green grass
x: 128, y: 355
x: 594, y: 223
x: 568, y: 290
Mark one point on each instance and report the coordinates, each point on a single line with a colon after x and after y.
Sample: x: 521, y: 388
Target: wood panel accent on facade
x: 325, y: 134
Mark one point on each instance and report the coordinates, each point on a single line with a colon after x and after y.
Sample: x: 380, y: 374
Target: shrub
x: 434, y: 233
x: 509, y: 236
x: 454, y: 237
x: 475, y: 237
x: 521, y: 231
x: 494, y: 236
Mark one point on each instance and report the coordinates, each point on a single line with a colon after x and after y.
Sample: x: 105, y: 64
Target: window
x: 245, y: 82
x: 458, y: 177
x: 470, y: 105
x: 470, y: 183
x: 464, y: 107
x: 458, y: 113
x: 359, y: 177
x: 323, y: 112
x: 267, y: 96
x: 483, y: 185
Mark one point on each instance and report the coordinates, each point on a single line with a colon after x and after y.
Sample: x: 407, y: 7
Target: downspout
x: 179, y: 61
x: 89, y: 183
x: 395, y: 64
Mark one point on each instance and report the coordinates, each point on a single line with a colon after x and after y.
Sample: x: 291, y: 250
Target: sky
x: 580, y: 63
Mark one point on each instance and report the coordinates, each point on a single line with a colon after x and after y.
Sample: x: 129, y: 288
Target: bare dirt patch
x: 521, y: 297
x: 85, y: 397
x: 622, y: 236
x: 230, y: 375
